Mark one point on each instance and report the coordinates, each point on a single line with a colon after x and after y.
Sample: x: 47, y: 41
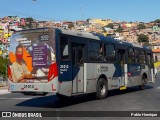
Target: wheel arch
x: 145, y: 75
x: 104, y: 77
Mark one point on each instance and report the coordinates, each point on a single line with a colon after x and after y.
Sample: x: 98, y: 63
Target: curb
x: 4, y: 91
x: 4, y: 87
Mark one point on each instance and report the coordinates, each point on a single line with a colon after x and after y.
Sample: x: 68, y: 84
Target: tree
x: 29, y: 21
x: 157, y: 21
x: 110, y: 25
x: 3, y: 66
x: 88, y: 20
x: 143, y: 38
x: 141, y: 26
x: 119, y: 29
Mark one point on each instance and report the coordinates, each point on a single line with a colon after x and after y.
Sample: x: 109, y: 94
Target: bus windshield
x: 30, y: 55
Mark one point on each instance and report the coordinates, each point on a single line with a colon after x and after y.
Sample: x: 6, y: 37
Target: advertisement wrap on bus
x: 32, y: 60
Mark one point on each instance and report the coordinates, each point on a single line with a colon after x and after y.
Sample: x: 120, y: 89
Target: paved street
x: 132, y: 99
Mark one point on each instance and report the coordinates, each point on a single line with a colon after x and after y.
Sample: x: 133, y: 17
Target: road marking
x: 158, y: 88
x: 4, y: 98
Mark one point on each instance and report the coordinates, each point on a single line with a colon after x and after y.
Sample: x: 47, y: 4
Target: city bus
x: 70, y: 63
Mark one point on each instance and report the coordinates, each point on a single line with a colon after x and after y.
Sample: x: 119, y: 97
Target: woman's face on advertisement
x: 19, y: 51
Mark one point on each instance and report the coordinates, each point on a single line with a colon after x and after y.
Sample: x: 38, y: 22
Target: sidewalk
x: 3, y: 87
x: 4, y: 90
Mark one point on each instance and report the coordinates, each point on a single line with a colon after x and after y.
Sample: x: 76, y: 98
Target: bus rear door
x: 150, y: 68
x: 77, y: 67
x: 123, y: 68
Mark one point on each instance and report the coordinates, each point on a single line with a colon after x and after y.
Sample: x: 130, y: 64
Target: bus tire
x: 44, y: 93
x: 143, y: 83
x: 101, y: 89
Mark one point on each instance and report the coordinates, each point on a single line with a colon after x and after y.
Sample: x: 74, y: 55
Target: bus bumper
x: 52, y: 86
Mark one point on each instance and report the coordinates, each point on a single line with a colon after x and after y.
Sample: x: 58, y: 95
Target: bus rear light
x: 36, y: 89
x: 10, y: 74
x: 129, y: 74
x: 22, y: 88
x: 53, y: 89
x: 53, y: 72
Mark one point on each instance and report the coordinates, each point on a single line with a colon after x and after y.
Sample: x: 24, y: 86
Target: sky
x: 72, y: 10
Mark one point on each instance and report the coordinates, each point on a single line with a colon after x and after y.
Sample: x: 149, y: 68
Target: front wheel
x: 102, y: 88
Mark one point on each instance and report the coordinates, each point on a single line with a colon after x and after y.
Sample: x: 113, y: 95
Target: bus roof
x: 102, y: 38
x: 91, y: 36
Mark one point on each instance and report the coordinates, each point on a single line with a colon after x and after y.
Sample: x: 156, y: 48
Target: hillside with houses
x: 135, y: 32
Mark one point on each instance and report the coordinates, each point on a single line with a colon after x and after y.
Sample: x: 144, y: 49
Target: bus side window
x: 149, y: 59
x: 64, y: 48
x: 137, y: 59
x: 131, y: 55
x: 95, y: 52
x: 110, y: 54
x: 142, y: 57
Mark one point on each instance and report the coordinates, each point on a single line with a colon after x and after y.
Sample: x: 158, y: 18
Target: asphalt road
x: 131, y: 99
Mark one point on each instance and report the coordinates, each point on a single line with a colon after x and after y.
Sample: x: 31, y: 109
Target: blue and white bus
x: 71, y: 63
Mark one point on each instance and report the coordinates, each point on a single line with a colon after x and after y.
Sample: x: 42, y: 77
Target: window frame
x: 110, y: 44
x: 144, y: 55
x: 137, y: 58
x: 68, y: 42
x: 89, y: 56
x: 131, y: 56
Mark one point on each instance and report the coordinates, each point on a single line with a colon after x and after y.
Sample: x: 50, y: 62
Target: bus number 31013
x: 28, y: 86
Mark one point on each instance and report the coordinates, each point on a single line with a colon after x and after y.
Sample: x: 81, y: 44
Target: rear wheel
x: 143, y: 83
x: 102, y: 88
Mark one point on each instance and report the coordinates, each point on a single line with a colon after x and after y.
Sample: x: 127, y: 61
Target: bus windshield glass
x: 30, y: 55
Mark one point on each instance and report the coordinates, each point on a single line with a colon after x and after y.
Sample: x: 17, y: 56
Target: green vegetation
x: 110, y: 25
x: 29, y: 21
x: 88, y: 20
x: 141, y: 26
x: 119, y: 29
x: 143, y: 39
x: 3, y: 66
x: 157, y: 21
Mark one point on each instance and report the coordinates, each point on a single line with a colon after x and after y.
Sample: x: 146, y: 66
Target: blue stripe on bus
x: 117, y: 72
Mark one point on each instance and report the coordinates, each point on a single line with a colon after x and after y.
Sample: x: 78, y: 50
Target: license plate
x: 28, y: 86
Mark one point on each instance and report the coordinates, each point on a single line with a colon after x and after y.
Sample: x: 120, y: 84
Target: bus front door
x: 77, y: 67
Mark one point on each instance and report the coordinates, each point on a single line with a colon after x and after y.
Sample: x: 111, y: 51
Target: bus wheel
x: 143, y: 83
x: 102, y: 88
x: 44, y: 93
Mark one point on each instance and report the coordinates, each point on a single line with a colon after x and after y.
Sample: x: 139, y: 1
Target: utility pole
x: 81, y: 10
